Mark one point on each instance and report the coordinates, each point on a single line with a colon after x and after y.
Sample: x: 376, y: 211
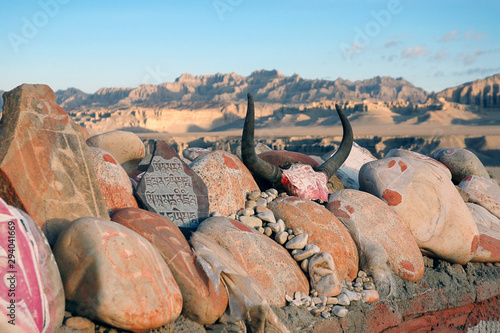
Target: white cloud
x: 414, y: 52
x: 452, y: 35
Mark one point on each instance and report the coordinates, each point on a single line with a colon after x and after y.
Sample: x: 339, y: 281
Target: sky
x: 93, y: 44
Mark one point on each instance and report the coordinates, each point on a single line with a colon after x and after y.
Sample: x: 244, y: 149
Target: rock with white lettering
x: 489, y: 234
x: 417, y: 156
x: 227, y: 179
x: 428, y: 203
x: 324, y: 230
x: 267, y: 262
x: 31, y: 292
x: 202, y: 303
x: 380, y: 224
x: 113, y: 275
x: 461, y: 162
x: 44, y: 161
x: 126, y: 147
x: 114, y: 181
x: 172, y: 189
x: 482, y: 191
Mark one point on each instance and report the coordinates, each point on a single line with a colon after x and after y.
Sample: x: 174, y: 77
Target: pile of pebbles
x: 256, y: 215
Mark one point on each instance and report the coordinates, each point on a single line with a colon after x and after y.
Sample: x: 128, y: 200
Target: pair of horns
x: 274, y: 174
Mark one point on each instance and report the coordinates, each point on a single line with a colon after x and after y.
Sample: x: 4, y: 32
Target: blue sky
x: 92, y: 44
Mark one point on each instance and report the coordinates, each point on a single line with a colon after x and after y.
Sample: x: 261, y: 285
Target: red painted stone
x: 489, y: 234
x: 417, y: 156
x: 267, y: 262
x: 428, y: 203
x: 201, y: 302
x: 227, y: 186
x: 302, y: 181
x: 113, y: 180
x: 324, y: 230
x: 31, y: 292
x: 44, y: 161
x: 380, y: 224
x: 113, y: 275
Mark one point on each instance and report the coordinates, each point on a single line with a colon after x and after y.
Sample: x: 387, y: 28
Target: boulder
x: 482, y: 191
x: 31, y: 293
x: 201, y: 302
x: 126, y: 147
x: 428, y: 203
x: 44, y: 161
x: 324, y: 230
x: 489, y: 234
x: 113, y: 275
x: 194, y: 153
x: 380, y: 224
x: 417, y: 156
x: 323, y: 275
x: 227, y: 179
x: 461, y: 162
x: 349, y: 170
x: 267, y: 262
x: 171, y: 188
x: 113, y: 180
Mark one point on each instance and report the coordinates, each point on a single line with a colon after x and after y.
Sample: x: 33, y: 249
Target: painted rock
x: 31, y: 294
x: 227, y: 179
x: 323, y: 275
x: 489, y: 234
x: 194, y: 153
x: 461, y: 162
x: 417, y: 156
x: 267, y: 262
x: 201, y: 302
x: 428, y: 203
x: 380, y: 224
x: 482, y: 191
x: 126, y: 147
x: 114, y: 181
x: 324, y: 230
x: 172, y: 189
x: 44, y: 161
x: 113, y: 275
x: 349, y: 170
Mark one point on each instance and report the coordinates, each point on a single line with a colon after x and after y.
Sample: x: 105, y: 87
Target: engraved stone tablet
x: 170, y: 188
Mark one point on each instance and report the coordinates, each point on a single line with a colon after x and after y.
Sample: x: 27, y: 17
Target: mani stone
x: 201, y: 302
x: 489, y: 234
x: 44, y: 161
x: 380, y: 224
x: 417, y: 156
x: 113, y: 275
x: 172, y: 189
x: 227, y: 179
x: 194, y: 153
x: 267, y: 262
x: 461, y: 162
x: 428, y: 203
x: 482, y: 191
x: 324, y: 230
x: 113, y: 180
x: 126, y: 147
x: 30, y: 277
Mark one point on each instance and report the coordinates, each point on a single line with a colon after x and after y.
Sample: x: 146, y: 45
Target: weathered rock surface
x: 194, y: 153
x: 324, y: 230
x: 113, y: 180
x: 201, y: 302
x: 323, y: 275
x: 285, y: 158
x: 427, y: 202
x: 482, y: 191
x: 112, y: 274
x: 417, y: 156
x: 461, y: 162
x: 489, y: 234
x: 379, y: 223
x: 227, y: 179
x: 126, y: 147
x: 44, y: 161
x: 31, y: 292
x: 172, y: 189
x: 267, y: 262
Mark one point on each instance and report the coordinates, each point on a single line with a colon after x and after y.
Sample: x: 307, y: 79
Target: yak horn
x: 259, y: 167
x: 333, y: 163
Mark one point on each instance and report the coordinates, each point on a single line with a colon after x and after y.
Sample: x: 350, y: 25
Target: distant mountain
x: 266, y: 86
x: 484, y: 93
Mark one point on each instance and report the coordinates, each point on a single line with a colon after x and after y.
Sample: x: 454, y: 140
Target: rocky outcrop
x: 484, y: 93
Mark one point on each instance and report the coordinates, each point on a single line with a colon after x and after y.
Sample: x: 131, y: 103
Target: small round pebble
x: 304, y: 265
x: 316, y: 312
x: 298, y: 230
x: 267, y: 231
x: 290, y: 231
x: 339, y: 311
x: 497, y: 264
x: 362, y: 274
x: 290, y: 237
x: 369, y: 286
x: 489, y: 264
x: 281, y: 237
x: 80, y: 323
x: 264, y: 195
x: 343, y: 299
x: 261, y: 209
x: 325, y: 314
x: 260, y: 229
x: 262, y: 202
x: 250, y: 204
x: 254, y: 195
x: 332, y: 301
